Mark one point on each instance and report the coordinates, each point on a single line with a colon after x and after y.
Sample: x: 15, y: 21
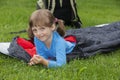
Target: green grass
x: 14, y: 15
x: 98, y: 11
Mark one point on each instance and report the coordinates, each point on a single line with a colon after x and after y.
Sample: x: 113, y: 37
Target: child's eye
x: 42, y: 28
x: 34, y: 30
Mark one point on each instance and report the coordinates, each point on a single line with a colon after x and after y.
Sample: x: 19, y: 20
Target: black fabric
x: 65, y: 12
x: 75, y: 54
x: 18, y: 52
x: 94, y: 40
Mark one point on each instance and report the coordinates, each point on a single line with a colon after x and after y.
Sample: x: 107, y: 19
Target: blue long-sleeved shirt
x: 56, y: 54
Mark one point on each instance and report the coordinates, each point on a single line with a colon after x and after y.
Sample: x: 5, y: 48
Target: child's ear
x: 53, y: 27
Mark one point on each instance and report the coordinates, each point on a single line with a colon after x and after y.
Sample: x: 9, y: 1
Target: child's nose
x: 39, y: 33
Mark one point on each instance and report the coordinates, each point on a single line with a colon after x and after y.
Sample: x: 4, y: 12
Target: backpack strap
x: 73, y: 5
x: 51, y: 5
x: 49, y: 2
x: 61, y: 3
x: 41, y: 4
x: 72, y: 2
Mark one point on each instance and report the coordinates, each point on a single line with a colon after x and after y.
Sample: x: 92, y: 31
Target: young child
x: 48, y: 47
x: 51, y: 47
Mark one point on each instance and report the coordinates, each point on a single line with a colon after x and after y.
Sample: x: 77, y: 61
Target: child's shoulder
x: 57, y: 37
x: 56, y: 34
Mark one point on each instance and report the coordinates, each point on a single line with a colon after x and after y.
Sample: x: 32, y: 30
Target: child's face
x: 43, y: 33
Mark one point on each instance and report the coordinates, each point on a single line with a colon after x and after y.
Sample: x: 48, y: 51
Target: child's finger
x: 31, y: 63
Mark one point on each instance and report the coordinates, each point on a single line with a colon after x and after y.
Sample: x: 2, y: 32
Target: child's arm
x: 60, y: 51
x: 60, y: 58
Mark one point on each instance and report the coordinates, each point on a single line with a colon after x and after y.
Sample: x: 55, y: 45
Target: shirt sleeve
x: 60, y: 55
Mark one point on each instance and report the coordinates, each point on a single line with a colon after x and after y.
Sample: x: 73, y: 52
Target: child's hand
x: 36, y: 59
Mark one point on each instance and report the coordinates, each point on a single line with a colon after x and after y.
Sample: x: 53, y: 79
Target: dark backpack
x: 62, y: 9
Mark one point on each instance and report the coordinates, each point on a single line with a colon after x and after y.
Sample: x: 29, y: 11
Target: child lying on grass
x: 50, y: 47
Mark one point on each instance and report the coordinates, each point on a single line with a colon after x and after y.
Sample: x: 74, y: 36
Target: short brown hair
x: 44, y: 17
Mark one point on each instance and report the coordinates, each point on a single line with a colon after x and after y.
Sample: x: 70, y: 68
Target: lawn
x: 14, y: 15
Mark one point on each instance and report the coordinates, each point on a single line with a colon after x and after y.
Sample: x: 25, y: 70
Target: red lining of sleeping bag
x: 27, y: 45
x: 70, y: 38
